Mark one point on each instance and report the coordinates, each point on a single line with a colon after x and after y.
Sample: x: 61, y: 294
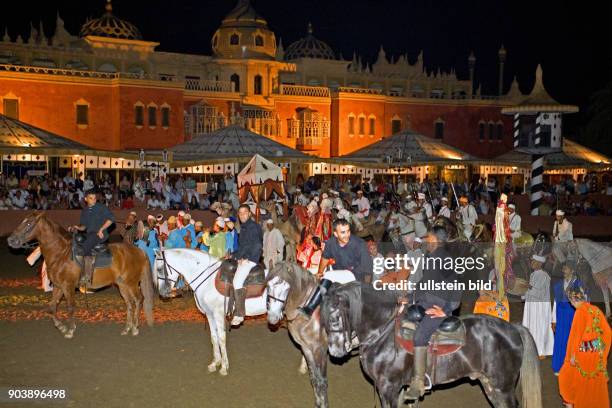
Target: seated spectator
x: 153, y: 202
x: 75, y: 202
x: 5, y: 201
x: 19, y: 200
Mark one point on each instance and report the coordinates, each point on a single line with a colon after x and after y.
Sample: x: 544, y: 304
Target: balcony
x: 303, y: 90
x: 309, y: 143
x: 208, y: 85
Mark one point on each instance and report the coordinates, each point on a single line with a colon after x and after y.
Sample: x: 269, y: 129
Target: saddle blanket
x: 340, y: 276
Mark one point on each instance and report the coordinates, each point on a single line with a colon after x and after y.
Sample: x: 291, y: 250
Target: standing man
x: 562, y: 230
x: 352, y: 261
x: 425, y: 205
x: 444, y: 210
x: 250, y: 242
x: 95, y: 220
x: 537, y: 316
x: 468, y: 217
x: 515, y: 223
x: 273, y: 245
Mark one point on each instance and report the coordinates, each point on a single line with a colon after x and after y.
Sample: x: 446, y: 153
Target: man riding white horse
x: 250, y: 242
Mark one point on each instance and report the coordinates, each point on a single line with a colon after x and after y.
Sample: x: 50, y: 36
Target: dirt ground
x: 165, y: 366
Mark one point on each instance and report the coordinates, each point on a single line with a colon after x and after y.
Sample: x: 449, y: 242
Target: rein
x: 190, y: 284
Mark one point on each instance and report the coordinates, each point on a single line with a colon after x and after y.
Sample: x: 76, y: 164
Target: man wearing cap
x: 250, y: 242
x: 217, y: 241
x: 363, y: 205
x: 468, y: 217
x: 515, y: 222
x: 95, y: 220
x: 273, y: 245
x: 537, y: 315
x: 444, y: 210
x: 300, y: 199
x: 562, y: 230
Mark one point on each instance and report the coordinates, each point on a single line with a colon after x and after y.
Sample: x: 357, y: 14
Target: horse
x: 129, y: 269
x: 494, y: 350
x: 199, y: 270
x: 289, y: 287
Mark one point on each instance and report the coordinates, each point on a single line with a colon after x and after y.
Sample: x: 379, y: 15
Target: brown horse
x: 130, y: 267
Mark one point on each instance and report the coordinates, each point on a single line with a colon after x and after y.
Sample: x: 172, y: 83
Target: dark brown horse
x: 130, y: 267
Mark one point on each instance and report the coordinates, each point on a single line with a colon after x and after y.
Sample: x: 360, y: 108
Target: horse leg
x: 70, y: 322
x: 303, y: 366
x: 53, y: 303
x: 317, y: 364
x: 220, y: 317
x: 498, y: 397
x: 216, y: 361
x: 137, y: 298
x: 125, y: 294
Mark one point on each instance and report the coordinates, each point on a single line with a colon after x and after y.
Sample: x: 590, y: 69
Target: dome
x: 309, y: 47
x: 110, y: 26
x: 243, y: 14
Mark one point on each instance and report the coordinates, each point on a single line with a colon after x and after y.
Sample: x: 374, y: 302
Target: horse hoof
x: 125, y: 331
x: 69, y: 334
x: 135, y: 332
x: 303, y: 370
x: 212, y: 367
x: 223, y: 371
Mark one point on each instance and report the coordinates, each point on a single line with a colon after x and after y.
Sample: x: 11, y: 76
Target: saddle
x: 254, y: 283
x: 448, y: 339
x: 103, y: 258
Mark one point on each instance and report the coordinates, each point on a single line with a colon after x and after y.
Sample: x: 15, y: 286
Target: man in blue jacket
x: 250, y: 244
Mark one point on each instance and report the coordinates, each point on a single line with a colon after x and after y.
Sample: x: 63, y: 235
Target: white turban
x: 560, y: 212
x: 220, y: 222
x: 421, y: 196
x: 538, y: 258
x: 512, y: 206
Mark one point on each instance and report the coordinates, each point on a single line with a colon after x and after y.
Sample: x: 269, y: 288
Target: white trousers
x: 191, y: 193
x: 242, y: 272
x: 339, y: 276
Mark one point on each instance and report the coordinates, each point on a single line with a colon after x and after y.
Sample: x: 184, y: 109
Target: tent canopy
x: 258, y: 171
x: 420, y: 149
x: 573, y: 155
x: 231, y: 142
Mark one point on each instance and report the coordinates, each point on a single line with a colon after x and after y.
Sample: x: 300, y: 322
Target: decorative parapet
x: 208, y: 85
x: 303, y: 90
x: 368, y: 91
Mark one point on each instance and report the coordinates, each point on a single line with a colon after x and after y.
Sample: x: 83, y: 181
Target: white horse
x: 199, y: 270
x: 599, y: 257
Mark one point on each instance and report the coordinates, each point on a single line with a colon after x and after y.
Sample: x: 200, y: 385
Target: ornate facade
x: 109, y: 88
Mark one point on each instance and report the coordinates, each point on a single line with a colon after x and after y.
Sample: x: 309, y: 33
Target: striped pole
x: 517, y: 130
x: 537, y: 171
x: 538, y: 130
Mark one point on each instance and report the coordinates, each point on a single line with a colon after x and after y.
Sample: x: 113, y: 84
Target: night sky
x: 571, y: 39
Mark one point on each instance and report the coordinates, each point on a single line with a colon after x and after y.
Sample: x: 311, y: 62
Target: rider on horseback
x: 436, y: 304
x: 350, y: 254
x: 250, y: 243
x: 95, y: 220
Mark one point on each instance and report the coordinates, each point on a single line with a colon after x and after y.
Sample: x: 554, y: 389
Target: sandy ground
x: 165, y: 366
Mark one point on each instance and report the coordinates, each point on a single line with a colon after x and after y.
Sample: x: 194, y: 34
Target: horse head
x: 340, y: 316
x: 26, y: 231
x: 287, y: 284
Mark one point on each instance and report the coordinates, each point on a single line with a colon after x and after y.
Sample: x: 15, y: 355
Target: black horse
x: 494, y: 351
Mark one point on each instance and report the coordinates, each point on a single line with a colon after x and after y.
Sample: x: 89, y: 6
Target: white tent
x: 258, y: 171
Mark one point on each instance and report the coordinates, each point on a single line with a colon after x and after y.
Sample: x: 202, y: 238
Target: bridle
x: 166, y: 279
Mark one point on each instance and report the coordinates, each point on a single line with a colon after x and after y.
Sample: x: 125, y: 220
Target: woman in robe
x: 562, y: 315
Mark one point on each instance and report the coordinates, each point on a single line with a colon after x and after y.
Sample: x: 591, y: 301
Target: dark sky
x: 571, y: 39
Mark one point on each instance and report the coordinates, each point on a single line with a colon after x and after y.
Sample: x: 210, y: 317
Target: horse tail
x: 531, y: 382
x: 146, y: 287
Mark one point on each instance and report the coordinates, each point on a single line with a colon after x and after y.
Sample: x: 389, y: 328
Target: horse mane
x: 56, y: 229
x: 295, y: 275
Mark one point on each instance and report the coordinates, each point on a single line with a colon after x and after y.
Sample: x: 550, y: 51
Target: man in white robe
x: 468, y: 217
x: 273, y: 245
x: 444, y: 210
x: 537, y: 315
x: 363, y: 205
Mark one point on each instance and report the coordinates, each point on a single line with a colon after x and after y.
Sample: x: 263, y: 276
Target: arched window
x: 396, y: 126
x: 491, y: 131
x: 439, y: 129
x: 372, y: 129
x: 234, y: 39
x: 139, y: 114
x: 362, y: 125
x: 351, y: 124
x: 235, y: 78
x: 481, y: 131
x: 257, y: 85
x: 259, y: 41
x: 500, y: 131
